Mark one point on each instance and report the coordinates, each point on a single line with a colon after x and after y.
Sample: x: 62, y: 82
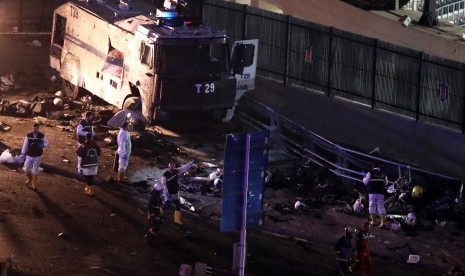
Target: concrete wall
x: 348, y: 18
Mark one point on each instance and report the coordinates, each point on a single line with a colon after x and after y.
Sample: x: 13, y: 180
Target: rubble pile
x: 7, y: 82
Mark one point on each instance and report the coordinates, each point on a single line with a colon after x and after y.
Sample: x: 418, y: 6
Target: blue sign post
x: 246, y: 158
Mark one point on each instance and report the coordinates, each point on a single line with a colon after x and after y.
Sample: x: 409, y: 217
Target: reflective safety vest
x: 35, y: 144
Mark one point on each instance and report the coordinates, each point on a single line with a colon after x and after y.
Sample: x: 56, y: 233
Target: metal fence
x: 382, y: 75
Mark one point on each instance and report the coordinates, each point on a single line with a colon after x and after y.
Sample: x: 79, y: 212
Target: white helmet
x: 411, y: 219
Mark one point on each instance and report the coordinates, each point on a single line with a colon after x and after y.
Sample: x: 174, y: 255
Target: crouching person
x: 155, y: 212
x: 89, y: 153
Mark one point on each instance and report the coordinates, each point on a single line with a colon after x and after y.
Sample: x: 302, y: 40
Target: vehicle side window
x: 146, y: 54
x: 60, y: 29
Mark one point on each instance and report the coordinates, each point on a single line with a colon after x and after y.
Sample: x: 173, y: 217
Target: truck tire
x: 71, y: 91
x: 132, y: 103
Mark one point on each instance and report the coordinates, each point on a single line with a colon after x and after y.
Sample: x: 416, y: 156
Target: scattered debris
x: 7, y: 157
x: 186, y: 204
x: 4, y: 127
x: 413, y: 259
x: 358, y: 205
x: 110, y: 140
x: 35, y: 43
x: 7, y: 82
x: 299, y: 205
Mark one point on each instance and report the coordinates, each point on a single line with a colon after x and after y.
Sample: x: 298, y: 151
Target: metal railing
x: 342, y: 161
x: 453, y: 12
x: 416, y: 5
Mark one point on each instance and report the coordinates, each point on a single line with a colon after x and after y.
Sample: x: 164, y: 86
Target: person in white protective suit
x: 33, y: 147
x: 124, y: 151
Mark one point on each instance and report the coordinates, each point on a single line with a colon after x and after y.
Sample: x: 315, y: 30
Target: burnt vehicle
x: 138, y: 57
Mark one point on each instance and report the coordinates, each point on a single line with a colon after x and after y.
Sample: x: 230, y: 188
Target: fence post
x: 463, y: 115
x: 417, y: 117
x: 330, y: 61
x: 288, y: 41
x: 201, y: 11
x: 373, y: 69
x: 21, y: 15
x: 244, y: 30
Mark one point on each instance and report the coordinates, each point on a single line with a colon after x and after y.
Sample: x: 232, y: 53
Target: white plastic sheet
x: 7, y: 157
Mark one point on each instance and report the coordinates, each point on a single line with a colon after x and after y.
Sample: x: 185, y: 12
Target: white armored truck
x: 135, y: 56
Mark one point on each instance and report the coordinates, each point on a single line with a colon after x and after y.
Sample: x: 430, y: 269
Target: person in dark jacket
x: 83, y: 128
x: 33, y: 147
x: 344, y: 252
x: 89, y: 153
x: 376, y: 181
x: 169, y: 180
x: 155, y: 211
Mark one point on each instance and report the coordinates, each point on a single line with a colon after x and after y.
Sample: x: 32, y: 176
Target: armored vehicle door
x: 145, y: 75
x: 244, y: 64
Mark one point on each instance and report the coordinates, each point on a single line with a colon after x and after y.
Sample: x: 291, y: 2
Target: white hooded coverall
x: 124, y: 149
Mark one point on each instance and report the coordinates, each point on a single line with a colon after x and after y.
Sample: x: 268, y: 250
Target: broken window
x: 60, y: 30
x: 114, y: 63
x: 146, y: 54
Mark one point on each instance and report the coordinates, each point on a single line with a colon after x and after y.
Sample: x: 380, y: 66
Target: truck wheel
x: 71, y: 91
x: 131, y: 103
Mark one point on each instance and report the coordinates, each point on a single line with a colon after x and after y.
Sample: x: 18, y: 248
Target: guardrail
x: 416, y: 5
x: 453, y: 12
x: 340, y: 160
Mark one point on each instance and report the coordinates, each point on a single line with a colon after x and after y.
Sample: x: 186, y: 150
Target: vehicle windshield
x: 195, y: 60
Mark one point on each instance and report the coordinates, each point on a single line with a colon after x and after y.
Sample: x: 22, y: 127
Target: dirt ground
x: 57, y: 230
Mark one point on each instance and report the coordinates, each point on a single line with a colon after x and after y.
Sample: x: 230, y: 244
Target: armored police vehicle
x: 135, y: 56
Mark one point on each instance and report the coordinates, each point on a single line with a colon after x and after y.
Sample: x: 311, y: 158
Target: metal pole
x: 463, y: 114
x: 21, y: 16
x: 288, y: 41
x: 244, y: 207
x: 419, y: 78
x: 330, y: 61
x: 244, y: 18
x: 373, y: 76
